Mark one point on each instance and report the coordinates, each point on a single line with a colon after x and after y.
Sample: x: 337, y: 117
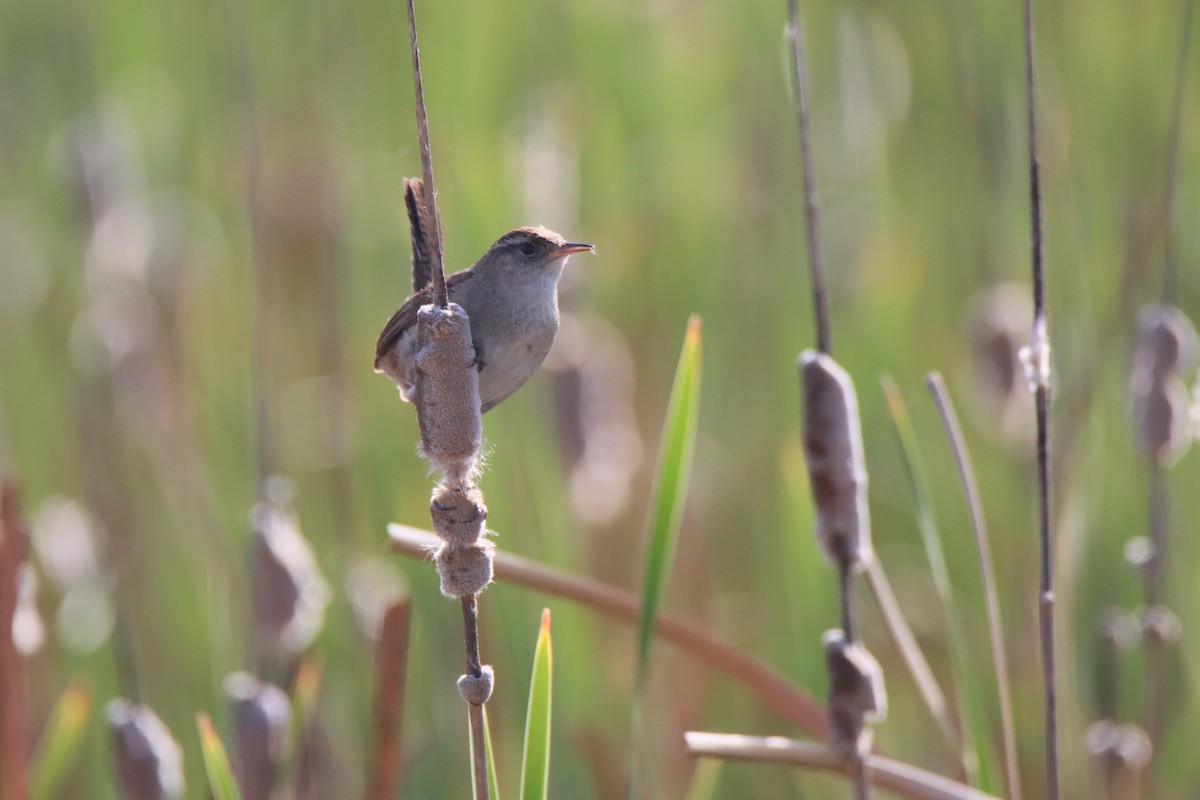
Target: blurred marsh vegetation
x: 664, y: 133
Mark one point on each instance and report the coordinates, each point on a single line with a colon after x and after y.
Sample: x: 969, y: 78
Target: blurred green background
x: 663, y: 132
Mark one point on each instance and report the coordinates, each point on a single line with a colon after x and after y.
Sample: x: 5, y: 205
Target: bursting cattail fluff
x: 833, y: 452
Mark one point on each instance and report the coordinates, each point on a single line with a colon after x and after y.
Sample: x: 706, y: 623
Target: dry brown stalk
x: 885, y: 773
x: 14, y: 544
x: 391, y: 660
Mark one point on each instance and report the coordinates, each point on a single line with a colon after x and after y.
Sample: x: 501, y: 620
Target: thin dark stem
x: 439, y: 273
x: 478, y: 752
x: 811, y: 203
x: 1041, y: 379
x: 470, y: 611
x: 845, y: 587
x: 966, y: 474
x: 1170, y: 288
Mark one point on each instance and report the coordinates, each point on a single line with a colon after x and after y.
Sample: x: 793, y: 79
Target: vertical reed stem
x: 1041, y: 378
x: 811, y: 202
x: 439, y: 273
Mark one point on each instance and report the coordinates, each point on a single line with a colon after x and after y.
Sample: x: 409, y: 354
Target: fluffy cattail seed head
x: 464, y: 570
x: 446, y: 391
x: 833, y: 451
x: 856, y: 694
x: 1166, y: 343
x: 1162, y: 418
x: 458, y: 513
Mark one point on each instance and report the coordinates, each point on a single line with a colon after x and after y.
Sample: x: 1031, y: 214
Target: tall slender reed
x: 833, y: 451
x: 966, y: 474
x: 447, y: 399
x: 1037, y: 362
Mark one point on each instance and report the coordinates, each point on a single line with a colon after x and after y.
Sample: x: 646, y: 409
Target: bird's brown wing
x: 406, y: 315
x: 422, y: 233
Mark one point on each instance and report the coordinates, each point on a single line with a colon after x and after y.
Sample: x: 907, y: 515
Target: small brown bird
x: 510, y: 295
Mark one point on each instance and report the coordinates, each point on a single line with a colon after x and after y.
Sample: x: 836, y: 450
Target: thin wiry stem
x: 1039, y: 360
x: 966, y: 474
x: 439, y: 272
x: 811, y: 203
x: 478, y: 752
x: 885, y: 773
x: 1170, y: 288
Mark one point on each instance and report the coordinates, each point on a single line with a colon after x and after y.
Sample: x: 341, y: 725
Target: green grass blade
x: 535, y: 765
x: 216, y: 762
x: 981, y: 768
x: 60, y: 741
x: 671, y: 481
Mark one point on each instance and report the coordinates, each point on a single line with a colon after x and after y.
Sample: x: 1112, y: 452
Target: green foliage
x: 221, y: 782
x: 535, y: 764
x: 59, y: 745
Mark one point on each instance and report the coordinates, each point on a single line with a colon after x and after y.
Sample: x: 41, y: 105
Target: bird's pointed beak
x: 574, y: 247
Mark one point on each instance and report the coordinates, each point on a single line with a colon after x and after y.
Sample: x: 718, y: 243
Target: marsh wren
x: 510, y: 295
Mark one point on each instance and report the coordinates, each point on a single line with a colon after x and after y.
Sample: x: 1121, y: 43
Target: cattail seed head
x: 1119, y: 629
x: 1166, y: 343
x: 458, y: 513
x: 260, y: 720
x: 464, y: 570
x: 1160, y: 625
x: 446, y: 391
x: 149, y: 762
x: 856, y: 694
x: 477, y: 689
x: 1162, y: 419
x: 833, y: 451
x: 1121, y: 753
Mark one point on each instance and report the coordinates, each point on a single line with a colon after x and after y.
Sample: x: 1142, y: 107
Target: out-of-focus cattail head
x: 833, y: 451
x: 1166, y: 343
x: 1161, y: 625
x: 290, y: 593
x: 149, y: 763
x: 260, y: 720
x: 1119, y: 629
x: 999, y: 320
x: 1121, y: 754
x: 856, y: 694
x: 1164, y: 354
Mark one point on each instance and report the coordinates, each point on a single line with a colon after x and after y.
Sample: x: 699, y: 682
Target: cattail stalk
x: 1037, y: 359
x: 446, y: 395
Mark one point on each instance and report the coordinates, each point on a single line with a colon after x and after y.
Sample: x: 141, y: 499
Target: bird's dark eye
x: 528, y: 248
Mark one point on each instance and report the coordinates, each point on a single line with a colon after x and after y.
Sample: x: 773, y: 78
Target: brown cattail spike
x: 149, y: 762
x: 260, y: 721
x: 1163, y: 354
x: 856, y: 694
x: 1121, y: 754
x: 833, y: 451
x: 447, y: 391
